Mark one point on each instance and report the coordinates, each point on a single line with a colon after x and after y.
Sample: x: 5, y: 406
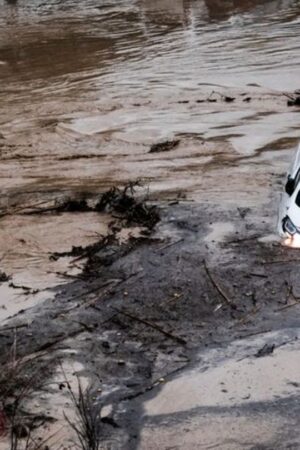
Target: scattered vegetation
x: 87, y: 424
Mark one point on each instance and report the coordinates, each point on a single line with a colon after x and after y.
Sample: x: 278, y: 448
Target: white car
x: 289, y: 225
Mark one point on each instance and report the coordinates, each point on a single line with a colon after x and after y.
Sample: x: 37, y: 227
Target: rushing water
x: 159, y: 44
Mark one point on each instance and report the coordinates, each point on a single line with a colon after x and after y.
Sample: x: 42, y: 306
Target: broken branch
x: 217, y: 287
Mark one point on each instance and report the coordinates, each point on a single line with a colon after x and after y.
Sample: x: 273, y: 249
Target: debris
x: 170, y: 244
x: 228, y: 99
x: 27, y: 290
x: 287, y: 306
x: 243, y: 212
x: 294, y: 384
x: 151, y: 325
x: 121, y: 362
x: 109, y: 421
x: 294, y: 101
x: 267, y: 349
x: 225, y: 98
x: 129, y: 208
x: 164, y: 146
x: 218, y: 307
x: 4, y: 277
x: 256, y: 274
x: 247, y: 99
x: 238, y: 241
x: 218, y: 288
x: 255, y: 333
x: 65, y: 204
x: 280, y: 261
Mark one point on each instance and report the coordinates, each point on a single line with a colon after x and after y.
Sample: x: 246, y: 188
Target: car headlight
x: 289, y: 226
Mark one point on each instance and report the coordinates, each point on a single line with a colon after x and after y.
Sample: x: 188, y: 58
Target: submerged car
x: 290, y: 214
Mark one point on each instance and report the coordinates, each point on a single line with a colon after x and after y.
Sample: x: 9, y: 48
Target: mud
x: 145, y: 317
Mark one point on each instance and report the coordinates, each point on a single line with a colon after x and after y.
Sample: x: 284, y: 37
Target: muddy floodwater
x: 88, y: 90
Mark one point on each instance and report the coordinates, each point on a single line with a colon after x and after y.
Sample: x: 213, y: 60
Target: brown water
x: 87, y: 86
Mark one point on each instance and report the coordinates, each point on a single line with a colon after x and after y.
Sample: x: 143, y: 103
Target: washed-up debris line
x: 123, y: 204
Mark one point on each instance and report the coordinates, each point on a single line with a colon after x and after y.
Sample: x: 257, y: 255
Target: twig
x: 287, y: 306
x: 291, y: 97
x: 14, y: 327
x: 218, y: 288
x: 255, y: 333
x: 247, y: 317
x: 66, y: 275
x: 170, y: 244
x: 250, y: 238
x: 151, y: 325
x: 62, y: 338
x: 280, y: 261
x: 260, y: 275
x: 22, y: 208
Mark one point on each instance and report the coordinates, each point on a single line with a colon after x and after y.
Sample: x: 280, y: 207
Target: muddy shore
x: 172, y: 316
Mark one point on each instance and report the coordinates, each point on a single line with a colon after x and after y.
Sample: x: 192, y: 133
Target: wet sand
x: 85, y: 94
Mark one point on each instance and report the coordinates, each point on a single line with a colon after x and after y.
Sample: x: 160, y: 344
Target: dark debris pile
x: 4, y: 277
x: 127, y: 210
x: 164, y: 146
x: 124, y: 205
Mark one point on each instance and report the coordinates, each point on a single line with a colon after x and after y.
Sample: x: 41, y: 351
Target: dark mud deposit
x: 139, y: 320
x: 171, y: 298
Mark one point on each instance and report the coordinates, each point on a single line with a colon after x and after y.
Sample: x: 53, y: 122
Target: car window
x: 298, y: 199
x: 297, y: 178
